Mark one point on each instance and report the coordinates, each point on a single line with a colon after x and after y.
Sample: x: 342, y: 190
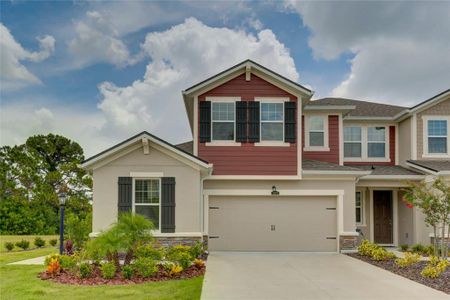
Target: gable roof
x: 431, y: 166
x: 91, y: 161
x: 361, y: 108
x: 431, y: 101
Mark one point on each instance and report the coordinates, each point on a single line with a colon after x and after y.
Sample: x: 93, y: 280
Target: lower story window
x: 147, y: 199
x: 359, y: 208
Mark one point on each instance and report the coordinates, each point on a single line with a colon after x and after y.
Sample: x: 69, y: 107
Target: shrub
x: 127, y: 272
x: 23, y: 244
x: 38, y: 242
x: 197, y: 250
x: 366, y: 248
x: 429, y: 250
x: 68, y: 262
x: 53, y: 242
x: 435, y: 267
x: 53, y: 266
x: 418, y: 248
x: 404, y: 247
x: 408, y: 260
x: 108, y: 270
x: 9, y: 246
x: 167, y: 266
x: 146, y: 267
x: 181, y: 255
x: 381, y: 254
x: 176, y: 269
x: 78, y: 229
x: 199, y: 263
x: 68, y: 247
x: 49, y: 258
x: 85, y: 270
x: 150, y: 252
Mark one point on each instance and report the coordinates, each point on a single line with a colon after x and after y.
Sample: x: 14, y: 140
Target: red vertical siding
x: 331, y: 156
x: 391, y: 161
x: 249, y: 159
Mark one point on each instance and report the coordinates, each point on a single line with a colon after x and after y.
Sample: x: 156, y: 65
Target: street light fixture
x: 62, y: 204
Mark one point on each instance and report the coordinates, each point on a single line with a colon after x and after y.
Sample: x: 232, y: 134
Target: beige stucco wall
x: 348, y: 186
x: 441, y: 109
x: 187, y: 187
x: 404, y: 141
x: 405, y: 222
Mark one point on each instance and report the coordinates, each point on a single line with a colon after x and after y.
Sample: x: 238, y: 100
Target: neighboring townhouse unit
x: 269, y: 169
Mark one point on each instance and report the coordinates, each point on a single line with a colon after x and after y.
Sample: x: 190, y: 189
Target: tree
x: 433, y: 198
x: 32, y: 174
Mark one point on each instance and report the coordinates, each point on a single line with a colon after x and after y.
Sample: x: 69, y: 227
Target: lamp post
x: 62, y: 205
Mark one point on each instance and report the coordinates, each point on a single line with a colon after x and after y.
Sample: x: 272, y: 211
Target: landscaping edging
x: 65, y: 277
x: 411, y: 272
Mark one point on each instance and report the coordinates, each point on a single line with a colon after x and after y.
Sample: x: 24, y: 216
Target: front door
x: 382, y: 215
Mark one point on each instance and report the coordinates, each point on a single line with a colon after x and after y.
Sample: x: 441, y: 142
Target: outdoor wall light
x: 274, y: 191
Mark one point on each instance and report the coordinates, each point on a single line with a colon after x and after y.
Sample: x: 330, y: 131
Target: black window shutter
x: 241, y: 121
x: 205, y: 121
x: 125, y: 194
x: 289, y: 122
x: 253, y: 121
x: 168, y: 204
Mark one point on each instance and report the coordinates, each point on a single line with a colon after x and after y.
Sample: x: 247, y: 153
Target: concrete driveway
x: 243, y: 275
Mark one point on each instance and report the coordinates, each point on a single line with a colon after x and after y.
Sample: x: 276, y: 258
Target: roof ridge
x: 357, y: 100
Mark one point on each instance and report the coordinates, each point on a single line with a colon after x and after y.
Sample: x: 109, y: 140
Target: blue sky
x: 100, y: 72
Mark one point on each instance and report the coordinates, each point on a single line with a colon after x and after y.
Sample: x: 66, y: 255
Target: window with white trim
x: 376, y: 142
x: 272, y: 121
x: 147, y: 195
x: 222, y: 121
x: 437, y: 136
x: 316, y: 130
x: 352, y: 142
x: 359, y: 207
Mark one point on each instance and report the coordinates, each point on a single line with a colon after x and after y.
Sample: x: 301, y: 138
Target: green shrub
x: 435, y: 267
x: 9, y: 246
x: 418, y: 248
x: 67, y: 262
x: 23, y: 244
x: 53, y: 242
x: 127, y: 272
x: 366, y: 248
x: 38, y: 242
x: 404, y: 247
x: 181, y: 255
x: 408, y: 260
x: 197, y: 250
x: 382, y: 254
x: 85, y: 270
x: 77, y: 229
x: 167, y: 266
x: 146, y: 267
x: 108, y: 270
x: 49, y: 258
x: 429, y: 250
x: 149, y: 251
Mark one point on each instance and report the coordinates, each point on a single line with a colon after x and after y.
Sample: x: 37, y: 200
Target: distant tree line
x: 32, y: 175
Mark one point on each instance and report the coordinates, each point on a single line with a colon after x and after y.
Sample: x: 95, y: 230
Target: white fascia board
x: 428, y: 171
x: 430, y: 103
x: 253, y: 177
x: 367, y: 118
x: 329, y: 172
x: 393, y: 177
x: 268, y: 192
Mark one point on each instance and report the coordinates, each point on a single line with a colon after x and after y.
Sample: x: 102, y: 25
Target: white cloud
x: 400, y: 49
x: 180, y: 57
x: 13, y: 73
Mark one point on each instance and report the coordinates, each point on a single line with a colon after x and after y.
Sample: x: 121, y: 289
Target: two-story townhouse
x: 269, y: 169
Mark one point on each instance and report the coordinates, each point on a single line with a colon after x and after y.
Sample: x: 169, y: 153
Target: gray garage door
x: 272, y: 224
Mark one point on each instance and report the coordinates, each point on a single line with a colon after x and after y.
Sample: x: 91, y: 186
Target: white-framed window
x: 272, y: 121
x: 316, y: 129
x: 147, y: 199
x: 359, y: 208
x: 376, y: 142
x: 366, y: 143
x: 223, y: 121
x: 437, y: 136
x: 352, y: 141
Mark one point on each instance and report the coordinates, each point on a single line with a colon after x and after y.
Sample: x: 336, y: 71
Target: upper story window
x: 365, y: 143
x: 147, y: 199
x: 316, y: 129
x: 272, y: 121
x: 222, y: 119
x: 437, y: 136
x: 352, y: 142
x: 376, y: 142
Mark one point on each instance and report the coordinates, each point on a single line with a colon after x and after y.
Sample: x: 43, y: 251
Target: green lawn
x: 21, y: 282
x: 16, y: 238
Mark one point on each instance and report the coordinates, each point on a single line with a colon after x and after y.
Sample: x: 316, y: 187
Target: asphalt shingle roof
x: 186, y: 147
x: 388, y: 170
x: 309, y: 164
x: 432, y: 165
x: 363, y: 108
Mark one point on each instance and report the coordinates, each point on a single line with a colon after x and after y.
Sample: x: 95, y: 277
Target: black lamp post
x: 62, y: 205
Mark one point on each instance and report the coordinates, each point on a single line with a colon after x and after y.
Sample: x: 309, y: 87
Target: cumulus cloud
x: 13, y: 73
x: 400, y: 49
x: 180, y: 57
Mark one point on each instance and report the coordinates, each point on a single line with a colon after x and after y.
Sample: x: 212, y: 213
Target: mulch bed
x: 96, y: 278
x: 442, y: 283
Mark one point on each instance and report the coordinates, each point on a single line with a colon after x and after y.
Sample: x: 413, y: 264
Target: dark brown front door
x: 382, y: 215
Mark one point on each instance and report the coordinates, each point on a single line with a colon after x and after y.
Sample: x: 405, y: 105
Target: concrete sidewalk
x: 234, y: 275
x: 32, y: 261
